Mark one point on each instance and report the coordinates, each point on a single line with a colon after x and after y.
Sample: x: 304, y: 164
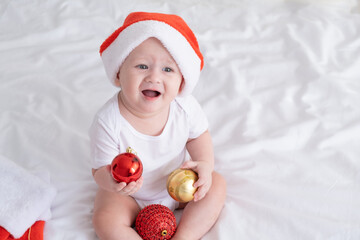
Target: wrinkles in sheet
x: 285, y: 121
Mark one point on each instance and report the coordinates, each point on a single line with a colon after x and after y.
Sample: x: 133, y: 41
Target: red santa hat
x: 171, y: 30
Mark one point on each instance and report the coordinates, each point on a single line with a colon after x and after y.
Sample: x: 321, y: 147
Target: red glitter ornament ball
x: 155, y: 222
x: 126, y: 167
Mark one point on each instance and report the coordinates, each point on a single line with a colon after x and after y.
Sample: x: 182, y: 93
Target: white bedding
x: 280, y: 87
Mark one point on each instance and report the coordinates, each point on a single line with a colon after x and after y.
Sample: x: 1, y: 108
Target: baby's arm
x: 202, y: 155
x: 104, y: 180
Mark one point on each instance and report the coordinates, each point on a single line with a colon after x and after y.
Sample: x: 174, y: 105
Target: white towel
x: 24, y: 198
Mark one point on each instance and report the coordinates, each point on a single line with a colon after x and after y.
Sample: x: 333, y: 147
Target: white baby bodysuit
x: 111, y: 134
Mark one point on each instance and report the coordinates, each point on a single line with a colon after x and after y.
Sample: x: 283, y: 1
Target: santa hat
x: 171, y: 30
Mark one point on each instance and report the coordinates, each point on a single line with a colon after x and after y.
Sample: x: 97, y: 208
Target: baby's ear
x: 117, y: 79
x: 182, y: 84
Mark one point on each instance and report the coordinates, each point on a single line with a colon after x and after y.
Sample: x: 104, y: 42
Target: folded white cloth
x: 24, y: 198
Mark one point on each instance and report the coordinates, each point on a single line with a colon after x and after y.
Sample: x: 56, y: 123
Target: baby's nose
x: 154, y: 77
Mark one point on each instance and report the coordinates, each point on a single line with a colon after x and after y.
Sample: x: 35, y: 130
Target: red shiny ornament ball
x: 155, y: 222
x: 126, y: 167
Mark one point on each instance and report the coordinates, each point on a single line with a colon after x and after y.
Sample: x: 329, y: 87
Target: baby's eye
x: 167, y: 69
x: 142, y: 66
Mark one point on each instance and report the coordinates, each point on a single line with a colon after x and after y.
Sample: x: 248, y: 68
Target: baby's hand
x: 204, y: 182
x: 130, y: 188
x: 105, y: 180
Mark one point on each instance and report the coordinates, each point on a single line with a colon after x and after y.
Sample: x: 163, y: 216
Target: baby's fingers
x: 133, y: 187
x: 120, y: 186
x: 200, y: 193
x: 189, y: 164
x: 138, y: 185
x: 199, y: 183
x: 130, y: 188
x: 139, y: 182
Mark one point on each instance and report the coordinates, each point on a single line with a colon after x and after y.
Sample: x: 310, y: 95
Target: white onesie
x: 111, y: 134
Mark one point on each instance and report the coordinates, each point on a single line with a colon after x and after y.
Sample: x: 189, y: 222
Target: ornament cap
x: 130, y: 150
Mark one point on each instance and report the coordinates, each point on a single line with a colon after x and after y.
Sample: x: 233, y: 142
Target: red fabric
x: 173, y: 20
x: 35, y: 232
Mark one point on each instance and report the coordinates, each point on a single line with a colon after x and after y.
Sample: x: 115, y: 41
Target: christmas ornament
x: 155, y: 222
x: 126, y: 167
x: 180, y: 184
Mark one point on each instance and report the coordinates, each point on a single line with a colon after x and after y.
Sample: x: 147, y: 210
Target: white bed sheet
x: 280, y: 86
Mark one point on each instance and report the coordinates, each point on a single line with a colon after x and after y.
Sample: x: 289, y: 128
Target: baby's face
x: 149, y: 78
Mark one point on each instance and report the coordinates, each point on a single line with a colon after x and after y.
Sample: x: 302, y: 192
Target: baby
x: 155, y: 59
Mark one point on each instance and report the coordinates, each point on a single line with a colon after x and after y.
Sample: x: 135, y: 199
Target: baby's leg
x: 199, y: 217
x: 113, y: 216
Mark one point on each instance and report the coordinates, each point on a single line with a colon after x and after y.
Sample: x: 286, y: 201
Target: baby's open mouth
x: 151, y: 93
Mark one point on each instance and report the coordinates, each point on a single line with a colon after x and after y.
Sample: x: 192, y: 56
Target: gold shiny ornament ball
x: 180, y: 185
